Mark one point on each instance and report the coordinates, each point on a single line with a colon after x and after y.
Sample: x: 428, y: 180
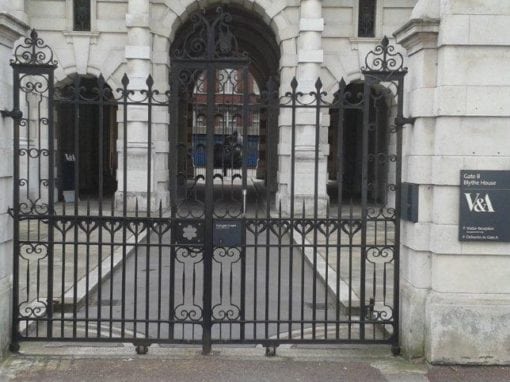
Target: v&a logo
x: 479, y: 203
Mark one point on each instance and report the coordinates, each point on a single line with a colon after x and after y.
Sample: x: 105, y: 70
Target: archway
x: 86, y: 137
x: 352, y: 145
x: 257, y: 43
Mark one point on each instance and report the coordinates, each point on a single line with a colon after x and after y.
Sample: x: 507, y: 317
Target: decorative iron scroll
x: 209, y: 39
x: 33, y: 51
x: 384, y: 58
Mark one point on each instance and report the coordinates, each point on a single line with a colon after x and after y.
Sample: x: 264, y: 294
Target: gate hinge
x: 401, y: 121
x: 14, y: 113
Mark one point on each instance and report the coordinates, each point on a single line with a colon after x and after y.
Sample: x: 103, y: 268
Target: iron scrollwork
x: 384, y: 58
x: 209, y: 39
x: 33, y: 51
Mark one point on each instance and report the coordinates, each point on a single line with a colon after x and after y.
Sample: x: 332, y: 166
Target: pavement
x: 102, y: 362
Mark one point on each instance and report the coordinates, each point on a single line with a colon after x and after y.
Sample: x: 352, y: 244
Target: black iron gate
x: 245, y: 230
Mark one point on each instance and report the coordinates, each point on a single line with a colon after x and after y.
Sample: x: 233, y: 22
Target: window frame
x: 378, y: 24
x: 70, y: 17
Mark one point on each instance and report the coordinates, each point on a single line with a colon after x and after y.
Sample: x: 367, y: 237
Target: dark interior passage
x: 85, y: 130
x: 351, y: 162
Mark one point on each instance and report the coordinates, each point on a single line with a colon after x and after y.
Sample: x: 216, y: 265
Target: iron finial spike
x: 150, y: 81
x: 125, y: 80
x: 318, y: 84
x: 101, y: 81
x: 385, y: 41
x: 342, y: 84
x: 294, y: 83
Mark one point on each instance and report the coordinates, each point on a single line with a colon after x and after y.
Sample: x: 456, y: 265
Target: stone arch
x: 177, y: 13
x: 112, y: 77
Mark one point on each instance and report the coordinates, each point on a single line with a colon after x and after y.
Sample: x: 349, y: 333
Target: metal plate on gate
x: 190, y: 231
x: 227, y: 233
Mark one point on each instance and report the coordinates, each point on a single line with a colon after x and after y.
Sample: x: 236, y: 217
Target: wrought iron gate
x: 200, y: 244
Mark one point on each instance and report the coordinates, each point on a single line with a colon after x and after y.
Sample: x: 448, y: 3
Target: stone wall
x: 455, y: 295
x: 12, y: 27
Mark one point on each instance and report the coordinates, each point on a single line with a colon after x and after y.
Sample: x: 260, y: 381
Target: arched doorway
x: 86, y: 134
x: 224, y: 92
x: 352, y: 146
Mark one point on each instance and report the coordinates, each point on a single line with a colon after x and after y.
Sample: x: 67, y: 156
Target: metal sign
x: 227, y: 233
x: 484, y: 206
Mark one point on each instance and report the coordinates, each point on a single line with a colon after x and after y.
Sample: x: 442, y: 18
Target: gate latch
x: 401, y: 121
x: 14, y: 114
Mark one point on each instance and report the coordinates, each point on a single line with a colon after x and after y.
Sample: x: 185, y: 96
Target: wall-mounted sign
x: 484, y: 206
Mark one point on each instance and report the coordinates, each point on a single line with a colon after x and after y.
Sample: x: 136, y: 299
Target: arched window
x: 366, y: 18
x: 81, y: 15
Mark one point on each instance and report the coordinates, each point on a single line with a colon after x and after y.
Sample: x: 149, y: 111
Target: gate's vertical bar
x: 271, y: 134
x: 76, y: 104
x: 100, y: 149
x: 87, y: 224
x: 268, y: 237
x: 364, y: 193
x: 318, y: 95
x: 150, y: 93
x: 398, y: 175
x: 51, y: 198
x: 293, y: 96
x: 125, y: 93
x: 112, y: 225
x: 339, y: 180
x: 15, y: 212
x: 173, y: 106
x: 246, y: 115
x: 209, y: 199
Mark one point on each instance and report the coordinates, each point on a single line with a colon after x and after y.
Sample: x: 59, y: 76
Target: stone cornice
x: 418, y: 34
x: 11, y: 28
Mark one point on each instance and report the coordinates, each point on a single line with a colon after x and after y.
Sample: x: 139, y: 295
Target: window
x: 366, y: 18
x: 81, y: 16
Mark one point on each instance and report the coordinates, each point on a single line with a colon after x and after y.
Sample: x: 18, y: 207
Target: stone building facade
x: 455, y: 297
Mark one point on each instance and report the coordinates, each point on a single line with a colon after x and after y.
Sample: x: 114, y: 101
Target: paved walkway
x: 59, y: 362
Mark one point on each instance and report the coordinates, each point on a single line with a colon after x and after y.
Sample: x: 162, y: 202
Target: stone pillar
x: 455, y: 299
x: 309, y: 61
x: 138, y: 52
x: 11, y: 28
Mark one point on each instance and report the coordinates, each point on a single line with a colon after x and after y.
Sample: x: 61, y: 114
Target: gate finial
x: 33, y: 51
x: 384, y: 58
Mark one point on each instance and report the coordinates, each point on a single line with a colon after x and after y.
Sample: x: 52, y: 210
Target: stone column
x: 309, y: 61
x: 419, y: 37
x: 455, y: 295
x: 138, y: 53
